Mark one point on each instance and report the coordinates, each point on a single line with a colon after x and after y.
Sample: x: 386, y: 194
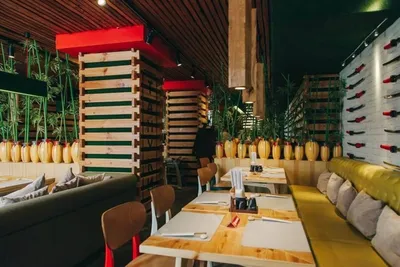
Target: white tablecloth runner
x: 275, y: 235
x: 275, y: 203
x: 188, y: 222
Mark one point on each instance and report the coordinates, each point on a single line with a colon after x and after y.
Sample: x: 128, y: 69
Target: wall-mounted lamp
x: 193, y: 73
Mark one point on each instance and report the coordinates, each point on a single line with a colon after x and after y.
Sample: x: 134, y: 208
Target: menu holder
x: 232, y: 208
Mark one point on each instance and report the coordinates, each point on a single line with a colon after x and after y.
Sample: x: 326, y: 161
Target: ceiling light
x: 101, y: 2
x: 343, y: 64
x: 353, y: 56
x: 178, y: 60
x: 376, y: 34
x: 193, y: 73
x: 365, y: 44
x: 150, y: 36
x: 240, y: 88
x: 11, y: 51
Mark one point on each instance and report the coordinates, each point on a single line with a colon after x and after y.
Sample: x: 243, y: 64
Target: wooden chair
x: 162, y: 199
x: 204, y: 162
x: 204, y: 176
x: 122, y: 223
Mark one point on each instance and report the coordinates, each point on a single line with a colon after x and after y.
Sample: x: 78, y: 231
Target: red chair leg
x: 109, y: 261
x: 135, y: 246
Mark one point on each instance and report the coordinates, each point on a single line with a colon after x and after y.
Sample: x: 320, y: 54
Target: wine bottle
x: 392, y: 79
x: 352, y: 156
x: 358, y: 95
x: 357, y: 70
x: 392, y: 149
x: 391, y: 61
x: 392, y: 113
x: 392, y: 131
x: 392, y: 96
x: 352, y: 109
x: 358, y: 120
x: 354, y: 85
x: 392, y: 43
x: 354, y: 133
x: 357, y: 145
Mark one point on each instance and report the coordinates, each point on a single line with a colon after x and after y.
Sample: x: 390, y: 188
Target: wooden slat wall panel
x: 122, y: 132
x: 185, y: 111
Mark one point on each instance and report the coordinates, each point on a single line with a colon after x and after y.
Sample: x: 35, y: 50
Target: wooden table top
x: 11, y: 188
x: 221, y: 209
x: 255, y: 177
x: 225, y: 247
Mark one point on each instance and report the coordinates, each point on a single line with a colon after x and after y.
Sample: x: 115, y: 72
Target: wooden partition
x: 186, y: 109
x: 299, y: 172
x: 120, y: 116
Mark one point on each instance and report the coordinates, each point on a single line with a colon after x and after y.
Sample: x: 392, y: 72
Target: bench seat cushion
x: 335, y: 254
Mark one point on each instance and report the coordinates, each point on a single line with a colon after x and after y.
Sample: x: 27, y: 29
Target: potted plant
x: 263, y: 147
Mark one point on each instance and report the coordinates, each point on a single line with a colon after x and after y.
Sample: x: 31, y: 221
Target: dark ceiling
x: 196, y: 28
x: 315, y: 36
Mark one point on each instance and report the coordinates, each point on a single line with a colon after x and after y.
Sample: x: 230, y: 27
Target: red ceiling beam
x: 186, y: 85
x: 117, y: 39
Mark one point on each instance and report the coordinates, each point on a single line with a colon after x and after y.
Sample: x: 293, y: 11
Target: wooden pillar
x: 121, y: 117
x: 187, y: 108
x: 260, y: 91
x: 239, y: 43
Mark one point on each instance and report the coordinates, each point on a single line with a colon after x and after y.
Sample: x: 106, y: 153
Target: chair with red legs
x: 123, y: 223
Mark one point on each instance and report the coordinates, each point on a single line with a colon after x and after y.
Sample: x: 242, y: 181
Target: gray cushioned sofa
x: 60, y: 229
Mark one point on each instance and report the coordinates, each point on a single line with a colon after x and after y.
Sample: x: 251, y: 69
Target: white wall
x: 374, y: 73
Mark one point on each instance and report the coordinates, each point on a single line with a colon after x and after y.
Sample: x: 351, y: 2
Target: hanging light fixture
x: 11, y: 53
x: 101, y: 2
x: 150, y: 36
x: 193, y: 73
x: 178, y: 60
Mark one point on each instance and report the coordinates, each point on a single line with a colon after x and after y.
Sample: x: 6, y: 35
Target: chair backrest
x: 205, y: 175
x: 213, y: 168
x: 162, y: 197
x: 122, y: 222
x: 204, y: 162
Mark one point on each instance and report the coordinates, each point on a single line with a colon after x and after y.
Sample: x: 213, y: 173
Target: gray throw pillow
x: 332, y: 190
x: 347, y: 193
x: 387, y: 238
x: 323, y: 180
x: 67, y: 177
x: 4, y: 201
x: 85, y: 180
x: 40, y: 182
x: 65, y: 186
x: 364, y: 213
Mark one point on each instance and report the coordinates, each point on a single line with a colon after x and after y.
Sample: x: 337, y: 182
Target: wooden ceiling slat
x: 176, y: 32
x: 204, y: 27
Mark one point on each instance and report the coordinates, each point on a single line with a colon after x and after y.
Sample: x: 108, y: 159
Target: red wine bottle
x: 352, y: 156
x: 392, y: 113
x: 392, y: 149
x: 392, y: 79
x: 353, y: 132
x: 358, y: 95
x: 357, y: 145
x: 358, y: 120
x: 392, y: 43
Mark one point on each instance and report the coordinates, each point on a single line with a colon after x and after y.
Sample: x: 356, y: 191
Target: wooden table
x: 258, y: 180
x: 221, y: 209
x: 225, y: 247
x: 9, y: 184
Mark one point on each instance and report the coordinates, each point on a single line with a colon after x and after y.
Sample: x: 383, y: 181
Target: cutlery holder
x: 233, y: 208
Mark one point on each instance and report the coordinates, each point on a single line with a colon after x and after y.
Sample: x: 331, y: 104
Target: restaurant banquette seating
x: 42, y: 231
x: 334, y: 241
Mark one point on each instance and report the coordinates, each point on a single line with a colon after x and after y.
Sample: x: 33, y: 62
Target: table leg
x: 180, y: 262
